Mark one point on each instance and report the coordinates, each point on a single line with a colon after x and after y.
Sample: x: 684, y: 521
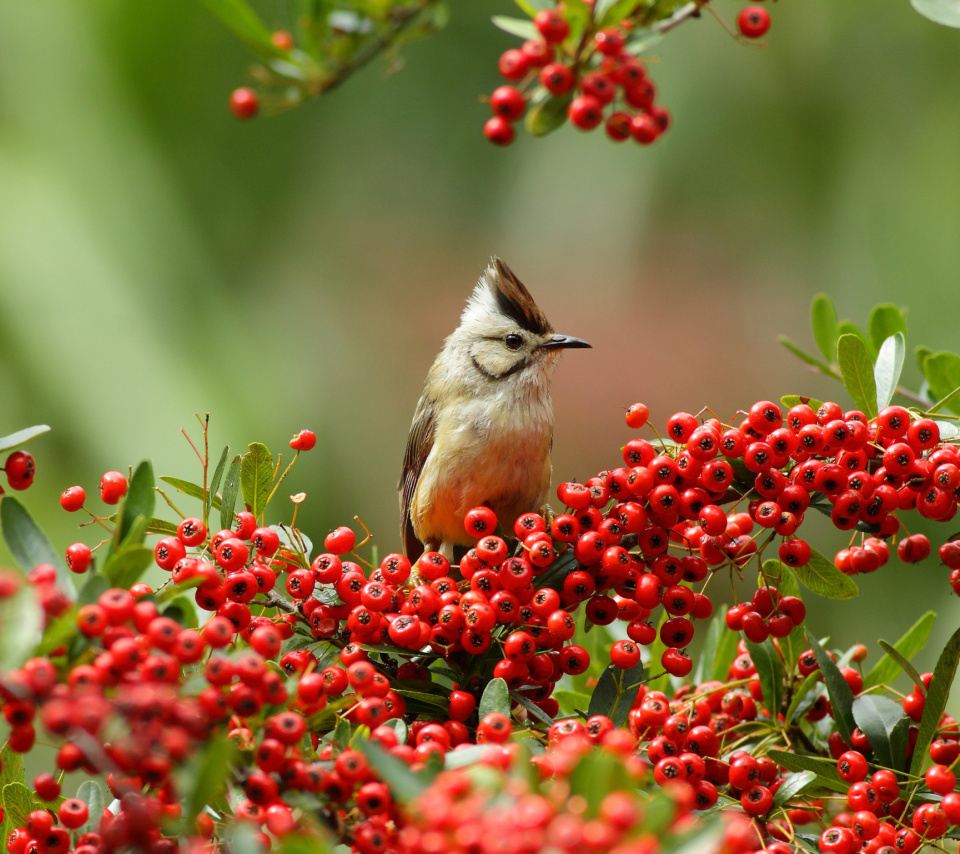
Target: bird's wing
x: 419, y: 443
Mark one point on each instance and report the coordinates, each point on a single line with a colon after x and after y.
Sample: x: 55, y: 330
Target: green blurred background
x: 158, y: 258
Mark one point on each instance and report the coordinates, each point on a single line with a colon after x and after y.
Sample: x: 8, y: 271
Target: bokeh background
x: 158, y: 258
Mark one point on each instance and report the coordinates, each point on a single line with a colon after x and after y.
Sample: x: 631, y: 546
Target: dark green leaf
x: 799, y: 694
x: 877, y: 717
x: 424, y: 697
x: 841, y: 697
x: 615, y: 692
x: 188, y: 488
x: 256, y: 477
x: 885, y: 321
x: 341, y: 733
x: 136, y: 532
x: 824, y: 768
x: 238, y: 17
x: 951, y: 402
x: 183, y: 611
x: 91, y: 794
x: 912, y: 641
x: 21, y: 437
x: 231, y: 486
x: 856, y: 369
x: 403, y: 783
x: 886, y: 373
x: 29, y: 545
x: 205, y: 777
x: 516, y: 27
x: 904, y: 665
x: 21, y: 626
x: 532, y: 708
x: 726, y: 653
x: 546, y: 116
x: 944, y: 12
x: 792, y: 785
x: 128, y: 565
x: 554, y: 577
x: 495, y: 698
x: 769, y: 672
x: 791, y: 400
x: 140, y: 499
x: 804, y: 356
x: 823, y: 578
x: 824, y: 318
x: 942, y: 371
x: 212, y: 500
x: 937, y: 693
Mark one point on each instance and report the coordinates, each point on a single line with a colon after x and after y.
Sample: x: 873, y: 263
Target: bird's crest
x: 511, y: 298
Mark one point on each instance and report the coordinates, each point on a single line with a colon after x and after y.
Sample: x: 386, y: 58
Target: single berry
x: 304, y: 440
x: 244, y: 103
x: 113, y: 486
x: 499, y: 131
x: 508, y: 102
x: 72, y: 498
x: 20, y: 469
x: 753, y: 22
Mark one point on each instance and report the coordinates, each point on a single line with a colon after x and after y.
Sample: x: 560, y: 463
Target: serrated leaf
x: 205, y: 777
x: 825, y: 769
x: 937, y: 693
x: 942, y: 371
x: 547, y: 116
x: 256, y: 477
x: 19, y: 802
x: 913, y: 640
x: 231, y: 486
x: 21, y: 437
x: 886, y: 372
x: 804, y: 356
x: 878, y: 717
x: 21, y: 627
x: 495, y: 698
x: 11, y: 767
x: 140, y: 500
x: 841, y: 697
x: 192, y: 489
x: 793, y: 784
x: 29, y: 545
x: 615, y: 692
x: 824, y: 319
x: 885, y: 321
x: 769, y: 672
x: 128, y: 565
x: 791, y: 400
x: 240, y: 18
x: 91, y: 793
x: 403, y: 783
x: 820, y: 576
x: 856, y: 370
x: 212, y: 500
x: 518, y: 27
x: 943, y: 12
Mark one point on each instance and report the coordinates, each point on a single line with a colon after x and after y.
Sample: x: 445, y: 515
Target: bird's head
x: 504, y: 331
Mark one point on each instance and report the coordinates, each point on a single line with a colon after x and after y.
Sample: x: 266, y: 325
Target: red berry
x: 513, y: 64
x: 340, y: 541
x: 499, y: 131
x: 113, y: 486
x: 73, y: 813
x: 556, y: 78
x: 637, y: 415
x: 244, y: 103
x: 609, y: 41
x: 282, y: 40
x: 753, y: 22
x: 191, y: 532
x: 78, y: 557
x: 508, y: 102
x: 480, y: 521
x: 552, y: 25
x: 20, y: 469
x: 72, y: 498
x: 585, y: 111
x: 644, y: 129
x: 305, y: 440
x: 624, y: 654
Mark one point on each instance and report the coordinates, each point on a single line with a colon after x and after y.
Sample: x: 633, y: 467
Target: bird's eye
x: 514, y: 342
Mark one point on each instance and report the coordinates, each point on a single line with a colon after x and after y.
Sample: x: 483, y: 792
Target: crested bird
x: 483, y: 428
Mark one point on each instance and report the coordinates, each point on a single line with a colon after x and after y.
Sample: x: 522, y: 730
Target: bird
x: 482, y: 432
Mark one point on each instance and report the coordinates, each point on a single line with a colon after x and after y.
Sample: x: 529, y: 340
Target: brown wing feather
x: 419, y: 443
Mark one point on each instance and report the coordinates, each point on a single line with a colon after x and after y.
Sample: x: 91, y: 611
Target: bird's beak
x: 563, y: 342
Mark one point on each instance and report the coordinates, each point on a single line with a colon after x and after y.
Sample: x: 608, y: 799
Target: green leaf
x: 546, y: 116
x: 12, y: 767
x: 823, y: 578
x: 878, y: 717
x: 136, y: 533
x: 21, y: 627
x: 615, y: 692
x: 192, y: 489
x: 804, y: 356
x: 937, y: 693
x: 942, y: 371
x: 886, y: 320
x: 608, y: 12
x: 128, y: 565
x: 21, y: 437
x: 951, y: 402
x: 920, y: 354
x: 571, y: 700
x: 19, y: 802
x: 711, y: 641
x: 205, y: 777
x: 495, y: 698
x: 58, y: 632
x: 886, y: 373
x: 240, y: 18
x: 792, y: 785
x: 841, y: 697
x: 726, y: 653
x: 516, y: 27
x: 91, y: 793
x: 824, y: 318
x: 904, y: 665
x: 140, y: 499
x: 825, y: 769
x: 912, y: 641
x: 780, y: 575
x: 93, y: 588
x: 554, y: 577
x: 845, y: 327
x: 256, y: 477
x: 791, y: 400
x: 856, y: 370
x: 596, y: 774
x: 531, y: 707
x: 29, y: 545
x: 799, y: 693
x: 231, y: 486
x: 769, y: 672
x: 182, y: 609
x: 944, y: 12
x: 465, y: 756
x: 403, y: 783
x: 211, y: 499
x: 531, y: 7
